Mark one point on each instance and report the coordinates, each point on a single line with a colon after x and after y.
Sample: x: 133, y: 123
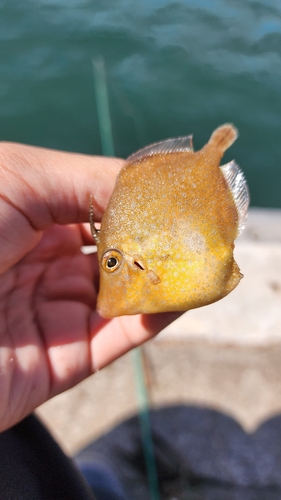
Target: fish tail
x: 223, y: 137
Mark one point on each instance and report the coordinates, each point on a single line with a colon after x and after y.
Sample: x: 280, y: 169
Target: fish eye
x: 111, y: 260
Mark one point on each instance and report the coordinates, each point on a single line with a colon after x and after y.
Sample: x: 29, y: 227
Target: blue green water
x: 173, y: 68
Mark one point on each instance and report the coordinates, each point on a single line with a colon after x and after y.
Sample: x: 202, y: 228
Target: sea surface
x: 173, y: 68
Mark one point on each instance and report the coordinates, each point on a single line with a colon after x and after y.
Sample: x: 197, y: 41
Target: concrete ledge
x: 263, y: 224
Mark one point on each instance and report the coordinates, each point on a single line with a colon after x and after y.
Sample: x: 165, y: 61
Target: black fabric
x: 200, y: 454
x: 33, y: 467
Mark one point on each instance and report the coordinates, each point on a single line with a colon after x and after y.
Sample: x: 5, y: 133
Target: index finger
x: 41, y: 187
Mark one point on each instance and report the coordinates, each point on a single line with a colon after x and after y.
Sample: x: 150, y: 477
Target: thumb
x: 41, y: 187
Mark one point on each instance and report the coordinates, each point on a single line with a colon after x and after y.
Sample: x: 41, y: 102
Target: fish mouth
x: 153, y: 277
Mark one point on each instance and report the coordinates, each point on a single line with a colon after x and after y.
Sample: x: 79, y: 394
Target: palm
x: 51, y: 335
x: 46, y: 302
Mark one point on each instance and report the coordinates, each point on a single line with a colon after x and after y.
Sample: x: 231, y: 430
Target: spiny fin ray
x: 179, y: 145
x: 223, y: 137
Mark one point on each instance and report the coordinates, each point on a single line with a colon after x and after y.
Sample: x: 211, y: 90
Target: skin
x: 51, y: 336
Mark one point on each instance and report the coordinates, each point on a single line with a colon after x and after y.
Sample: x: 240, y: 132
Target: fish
x: 166, y: 238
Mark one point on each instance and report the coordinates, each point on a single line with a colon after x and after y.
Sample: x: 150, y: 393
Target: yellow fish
x: 167, y: 236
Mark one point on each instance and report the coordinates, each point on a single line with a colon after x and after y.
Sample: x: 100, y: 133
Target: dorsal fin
x: 237, y: 184
x: 223, y: 137
x: 179, y: 145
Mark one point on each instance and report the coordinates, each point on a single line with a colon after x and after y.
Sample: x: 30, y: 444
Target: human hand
x: 51, y: 337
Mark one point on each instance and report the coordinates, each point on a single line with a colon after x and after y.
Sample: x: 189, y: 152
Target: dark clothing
x: 33, y: 467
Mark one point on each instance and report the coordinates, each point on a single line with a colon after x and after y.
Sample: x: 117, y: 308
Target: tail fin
x: 223, y: 137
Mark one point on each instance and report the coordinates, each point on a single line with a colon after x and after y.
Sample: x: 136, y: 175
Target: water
x: 173, y: 68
